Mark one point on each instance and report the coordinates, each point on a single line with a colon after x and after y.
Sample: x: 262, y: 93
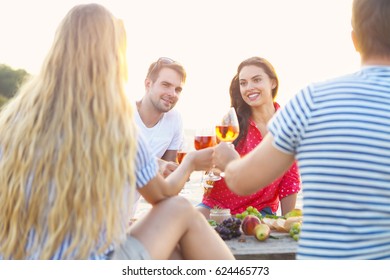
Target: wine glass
x: 181, y: 153
x: 205, y: 138
x: 208, y: 184
x: 228, y: 129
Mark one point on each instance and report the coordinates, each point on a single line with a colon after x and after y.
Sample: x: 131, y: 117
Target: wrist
x: 190, y: 161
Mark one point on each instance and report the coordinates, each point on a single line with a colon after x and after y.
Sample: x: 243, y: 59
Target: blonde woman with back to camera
x: 71, y: 159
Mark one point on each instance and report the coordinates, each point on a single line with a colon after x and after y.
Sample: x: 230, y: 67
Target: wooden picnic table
x: 281, y: 247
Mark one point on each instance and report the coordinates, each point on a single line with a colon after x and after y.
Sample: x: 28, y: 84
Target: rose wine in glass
x: 182, y: 151
x: 205, y: 138
x: 228, y: 129
x: 179, y: 156
x: 202, y: 142
x: 227, y: 133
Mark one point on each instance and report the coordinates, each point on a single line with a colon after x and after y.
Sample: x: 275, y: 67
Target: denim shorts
x: 201, y: 204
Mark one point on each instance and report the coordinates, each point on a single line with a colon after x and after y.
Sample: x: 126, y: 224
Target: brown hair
x: 164, y: 62
x: 371, y: 24
x: 242, y: 108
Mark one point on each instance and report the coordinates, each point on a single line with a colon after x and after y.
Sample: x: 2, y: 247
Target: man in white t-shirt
x: 160, y: 124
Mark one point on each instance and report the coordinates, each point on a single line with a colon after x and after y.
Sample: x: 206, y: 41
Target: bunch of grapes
x: 295, y: 230
x: 229, y: 228
x: 250, y: 210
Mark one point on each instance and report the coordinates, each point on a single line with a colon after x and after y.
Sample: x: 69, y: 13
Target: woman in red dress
x: 252, y: 92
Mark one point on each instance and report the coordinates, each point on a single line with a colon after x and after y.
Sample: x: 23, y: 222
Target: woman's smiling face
x: 255, y: 85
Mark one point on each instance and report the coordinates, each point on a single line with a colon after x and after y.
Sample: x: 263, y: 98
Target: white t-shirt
x: 167, y: 134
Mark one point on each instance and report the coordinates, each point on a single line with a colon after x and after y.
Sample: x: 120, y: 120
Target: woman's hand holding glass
x: 201, y: 160
x: 166, y: 167
x: 223, y: 154
x: 205, y: 138
x: 197, y: 161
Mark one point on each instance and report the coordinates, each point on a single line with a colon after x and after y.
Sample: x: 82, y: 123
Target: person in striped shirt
x: 71, y: 159
x: 339, y: 132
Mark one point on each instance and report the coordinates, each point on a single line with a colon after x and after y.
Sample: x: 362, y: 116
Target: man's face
x: 165, y: 91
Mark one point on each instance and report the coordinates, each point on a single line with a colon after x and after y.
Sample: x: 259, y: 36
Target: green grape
x: 295, y: 230
x: 249, y: 208
x: 296, y: 226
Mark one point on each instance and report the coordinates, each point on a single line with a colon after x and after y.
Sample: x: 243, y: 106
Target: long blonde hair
x: 68, y: 145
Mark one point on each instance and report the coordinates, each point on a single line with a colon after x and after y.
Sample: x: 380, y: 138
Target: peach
x: 249, y: 223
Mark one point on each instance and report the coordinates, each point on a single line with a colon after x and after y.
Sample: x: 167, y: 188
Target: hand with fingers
x: 223, y: 154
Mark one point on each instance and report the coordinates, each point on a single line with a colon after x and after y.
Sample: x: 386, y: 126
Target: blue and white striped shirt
x: 146, y: 169
x: 339, y: 131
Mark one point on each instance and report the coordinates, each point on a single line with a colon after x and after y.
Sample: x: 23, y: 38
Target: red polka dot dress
x: 288, y: 184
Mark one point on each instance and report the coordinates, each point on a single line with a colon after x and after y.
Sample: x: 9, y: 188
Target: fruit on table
x: 212, y: 223
x: 249, y: 223
x: 250, y: 210
x: 229, y: 228
x: 295, y: 230
x: 293, y: 213
x: 278, y: 223
x: 290, y: 221
x: 262, y: 232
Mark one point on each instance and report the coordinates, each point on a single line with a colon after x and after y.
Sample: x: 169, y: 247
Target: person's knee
x: 183, y: 203
x: 182, y: 209
x: 180, y: 204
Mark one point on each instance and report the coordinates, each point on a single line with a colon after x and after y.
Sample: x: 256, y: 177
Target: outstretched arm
x: 166, y: 167
x: 159, y: 188
x: 257, y: 169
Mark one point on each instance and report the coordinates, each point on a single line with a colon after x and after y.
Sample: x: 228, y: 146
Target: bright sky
x: 305, y: 40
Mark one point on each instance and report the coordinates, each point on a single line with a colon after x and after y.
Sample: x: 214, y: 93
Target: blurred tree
x: 3, y: 100
x: 10, y: 80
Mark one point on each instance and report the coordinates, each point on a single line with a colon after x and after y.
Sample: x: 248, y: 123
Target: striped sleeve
x: 146, y: 163
x: 289, y: 123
